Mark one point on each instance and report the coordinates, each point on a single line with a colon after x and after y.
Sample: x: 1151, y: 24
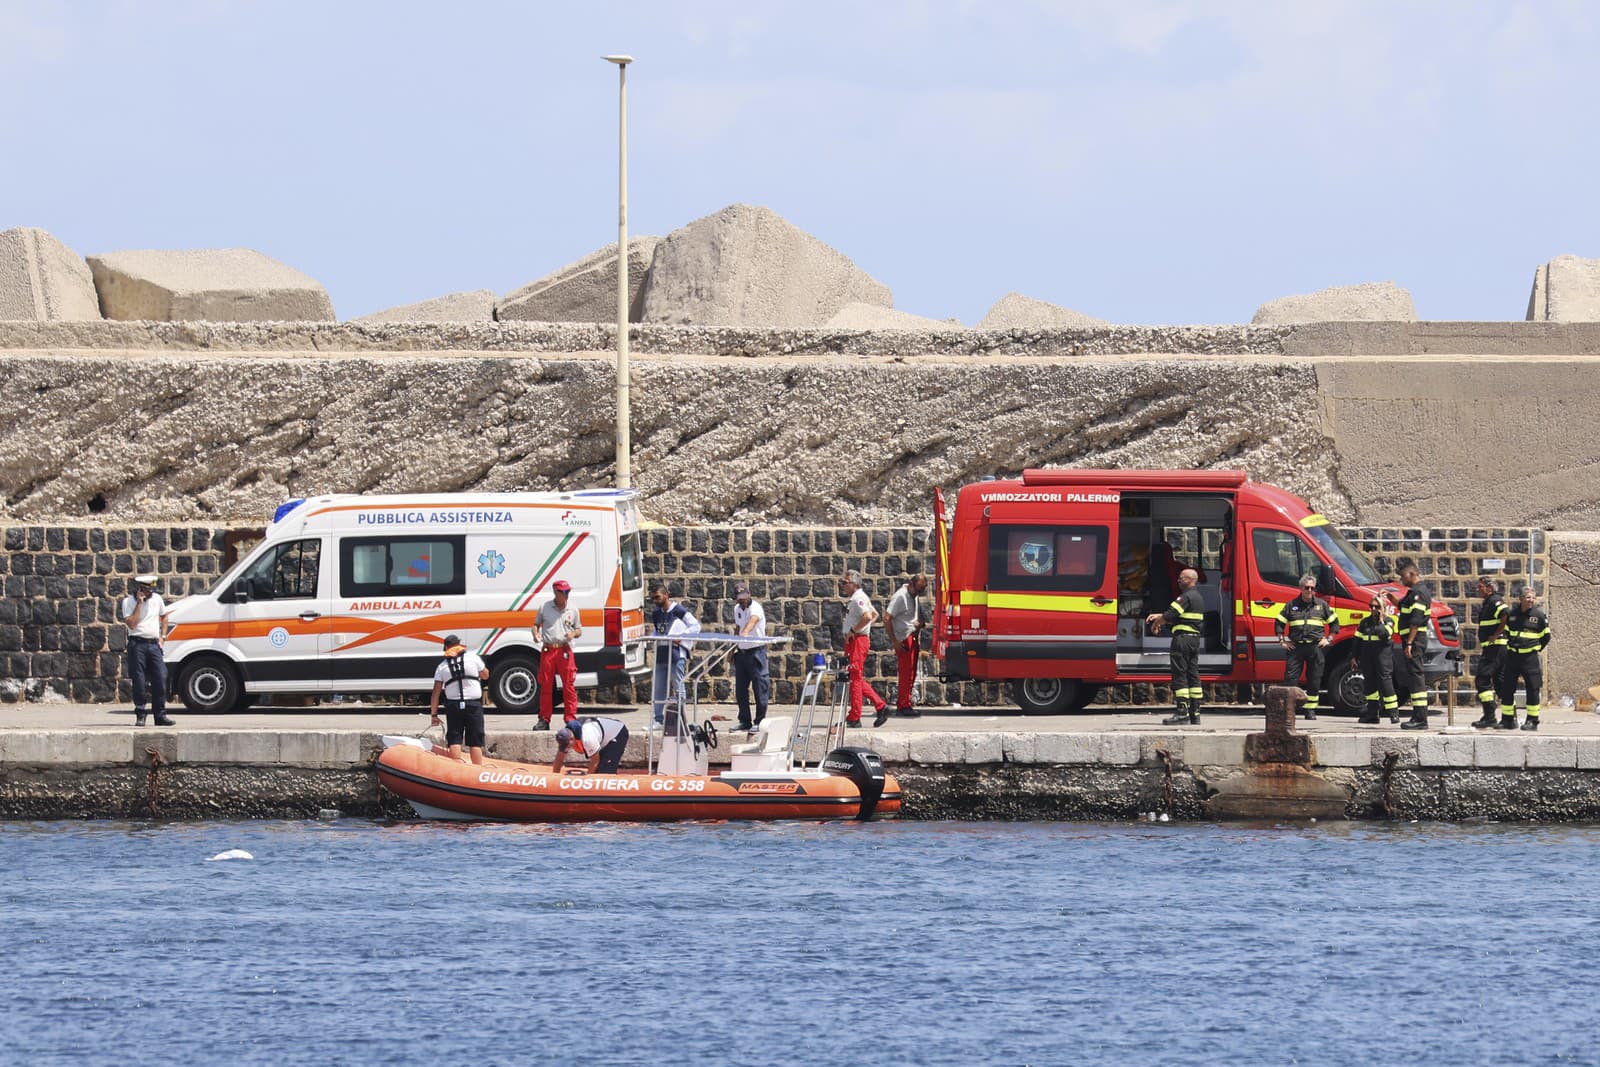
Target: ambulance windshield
x: 1345, y: 556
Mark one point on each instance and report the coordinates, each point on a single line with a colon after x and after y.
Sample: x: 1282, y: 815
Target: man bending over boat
x: 459, y: 679
x: 598, y: 739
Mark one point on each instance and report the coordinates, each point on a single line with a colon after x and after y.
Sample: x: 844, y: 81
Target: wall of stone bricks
x: 59, y: 637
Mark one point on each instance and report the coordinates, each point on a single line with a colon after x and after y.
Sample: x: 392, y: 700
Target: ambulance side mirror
x: 240, y: 593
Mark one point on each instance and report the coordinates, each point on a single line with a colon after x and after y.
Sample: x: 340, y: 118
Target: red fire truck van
x: 1044, y: 582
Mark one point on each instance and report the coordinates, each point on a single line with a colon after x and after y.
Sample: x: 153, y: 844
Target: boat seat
x: 769, y: 752
x: 774, y: 737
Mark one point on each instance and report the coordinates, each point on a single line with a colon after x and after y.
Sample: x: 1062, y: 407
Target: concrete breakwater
x: 1119, y: 773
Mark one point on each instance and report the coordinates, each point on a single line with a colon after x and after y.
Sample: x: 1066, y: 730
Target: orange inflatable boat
x: 850, y: 783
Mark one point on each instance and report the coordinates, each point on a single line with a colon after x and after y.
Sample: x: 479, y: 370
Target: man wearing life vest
x: 1527, y: 634
x: 1184, y: 618
x: 1375, y: 649
x: 1491, y: 648
x: 459, y: 680
x: 1413, y: 617
x: 1305, y: 627
x: 556, y: 626
x: 597, y: 740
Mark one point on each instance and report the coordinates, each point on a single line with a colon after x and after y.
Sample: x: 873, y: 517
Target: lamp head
x: 621, y: 61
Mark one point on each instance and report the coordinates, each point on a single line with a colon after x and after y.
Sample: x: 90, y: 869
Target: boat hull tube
x: 850, y: 784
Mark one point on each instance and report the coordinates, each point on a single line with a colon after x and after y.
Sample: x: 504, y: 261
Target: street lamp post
x: 624, y: 474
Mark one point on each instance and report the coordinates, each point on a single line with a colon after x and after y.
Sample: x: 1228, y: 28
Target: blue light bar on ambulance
x: 286, y: 507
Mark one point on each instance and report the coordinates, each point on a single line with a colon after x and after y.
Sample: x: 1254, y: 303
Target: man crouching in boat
x: 459, y: 678
x: 599, y: 740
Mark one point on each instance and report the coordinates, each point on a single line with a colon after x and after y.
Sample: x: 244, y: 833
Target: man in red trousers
x: 555, y: 627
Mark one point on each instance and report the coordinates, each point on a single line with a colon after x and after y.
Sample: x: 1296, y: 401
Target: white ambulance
x: 355, y: 594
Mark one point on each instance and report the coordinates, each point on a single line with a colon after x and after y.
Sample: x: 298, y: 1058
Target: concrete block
x: 1149, y: 744
x: 1341, y: 750
x: 1066, y: 748
x: 1403, y: 745
x: 474, y: 306
x: 229, y: 746
x: 1017, y: 312
x: 1445, y: 750
x: 938, y: 748
x: 859, y: 316
x: 892, y: 748
x: 1552, y: 752
x: 1367, y: 302
x: 746, y: 266
x: 1018, y: 748
x: 1213, y: 750
x: 1588, y: 753
x: 87, y: 746
x: 320, y: 748
x: 213, y: 285
x: 984, y: 748
x: 1499, y: 750
x: 585, y: 291
x: 1119, y: 750
x: 1566, y: 289
x: 22, y: 746
x: 1573, y: 599
x: 42, y: 280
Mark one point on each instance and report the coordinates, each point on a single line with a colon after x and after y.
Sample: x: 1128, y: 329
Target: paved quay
x: 87, y: 760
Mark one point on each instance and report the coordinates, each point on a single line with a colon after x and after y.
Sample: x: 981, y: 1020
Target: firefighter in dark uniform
x: 1527, y: 633
x: 1491, y: 648
x: 1305, y: 627
x: 1413, y: 616
x: 1375, y: 647
x: 1185, y: 618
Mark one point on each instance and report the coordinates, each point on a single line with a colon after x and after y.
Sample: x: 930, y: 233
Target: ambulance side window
x: 632, y: 565
x: 1054, y: 559
x: 1282, y: 557
x: 285, y: 572
x: 402, y: 566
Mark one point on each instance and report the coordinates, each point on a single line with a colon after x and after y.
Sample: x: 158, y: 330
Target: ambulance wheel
x: 514, y: 683
x: 209, y: 684
x: 1044, y: 696
x: 1347, y: 688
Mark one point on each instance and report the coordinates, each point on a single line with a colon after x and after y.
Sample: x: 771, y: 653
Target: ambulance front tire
x: 1045, y: 696
x: 210, y: 684
x: 1346, y: 688
x: 514, y: 684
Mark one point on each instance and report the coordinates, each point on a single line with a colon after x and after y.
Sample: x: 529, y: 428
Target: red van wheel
x: 1044, y: 696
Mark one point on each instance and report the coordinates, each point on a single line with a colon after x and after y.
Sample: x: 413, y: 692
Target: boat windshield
x: 1345, y: 555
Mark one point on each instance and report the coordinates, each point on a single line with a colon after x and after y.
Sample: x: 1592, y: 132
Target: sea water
x: 915, y: 943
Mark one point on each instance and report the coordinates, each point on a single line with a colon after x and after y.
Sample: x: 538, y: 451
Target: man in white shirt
x: 905, y: 624
x: 555, y: 628
x: 859, y: 615
x: 459, y: 679
x: 599, y: 740
x: 750, y: 658
x: 144, y: 613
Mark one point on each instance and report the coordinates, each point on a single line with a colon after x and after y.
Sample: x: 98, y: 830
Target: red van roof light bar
x: 1224, y: 479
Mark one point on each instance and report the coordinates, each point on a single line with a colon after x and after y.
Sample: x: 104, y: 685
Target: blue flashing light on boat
x: 286, y: 507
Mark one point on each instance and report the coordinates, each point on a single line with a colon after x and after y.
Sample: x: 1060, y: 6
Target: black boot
x: 1194, y: 712
x: 138, y: 718
x: 1488, y: 721
x: 542, y: 724
x: 1416, y: 722
x: 163, y: 719
x: 1531, y: 722
x: 1508, y: 722
x: 1179, y: 717
x: 1369, y: 717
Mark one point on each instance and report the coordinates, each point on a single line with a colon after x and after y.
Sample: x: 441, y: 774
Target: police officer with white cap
x: 144, y: 613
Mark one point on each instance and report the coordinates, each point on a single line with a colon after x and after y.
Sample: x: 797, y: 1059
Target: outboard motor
x: 862, y: 766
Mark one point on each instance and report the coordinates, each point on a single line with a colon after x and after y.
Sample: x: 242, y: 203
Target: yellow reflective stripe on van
x: 1038, y: 602
x: 1314, y: 520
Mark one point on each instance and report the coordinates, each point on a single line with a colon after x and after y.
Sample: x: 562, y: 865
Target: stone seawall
x: 196, y: 774
x: 59, y: 635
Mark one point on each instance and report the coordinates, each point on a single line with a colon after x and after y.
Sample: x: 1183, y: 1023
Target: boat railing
x: 836, y: 675
x: 684, y: 697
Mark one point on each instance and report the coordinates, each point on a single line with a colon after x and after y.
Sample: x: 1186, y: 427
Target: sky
x: 1137, y: 160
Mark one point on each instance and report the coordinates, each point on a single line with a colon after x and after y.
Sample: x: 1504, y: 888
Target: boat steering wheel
x: 709, y: 733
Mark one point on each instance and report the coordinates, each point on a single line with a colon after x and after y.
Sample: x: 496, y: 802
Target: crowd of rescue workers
x: 1393, y: 645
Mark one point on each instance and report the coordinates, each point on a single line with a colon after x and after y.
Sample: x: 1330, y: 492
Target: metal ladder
x: 838, y: 675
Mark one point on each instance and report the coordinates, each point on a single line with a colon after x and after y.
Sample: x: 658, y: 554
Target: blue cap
x: 819, y: 660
